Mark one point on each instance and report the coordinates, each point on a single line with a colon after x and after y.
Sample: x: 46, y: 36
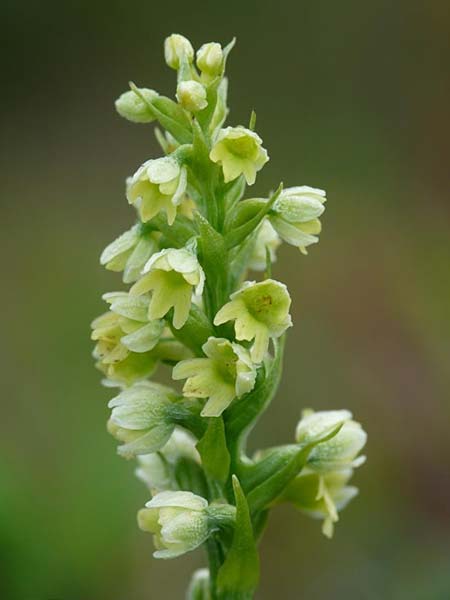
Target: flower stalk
x: 193, y: 303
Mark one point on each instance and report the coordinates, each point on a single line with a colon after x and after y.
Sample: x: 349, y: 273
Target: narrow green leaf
x: 239, y: 574
x: 170, y: 114
x: 214, y: 452
x: 277, y: 472
x: 213, y: 258
x: 237, y: 235
x: 176, y: 234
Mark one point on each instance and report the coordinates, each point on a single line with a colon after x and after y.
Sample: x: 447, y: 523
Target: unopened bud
x: 133, y: 106
x: 175, y: 48
x: 191, y: 95
x: 210, y: 59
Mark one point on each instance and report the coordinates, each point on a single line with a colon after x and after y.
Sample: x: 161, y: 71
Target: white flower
x: 141, y: 417
x: 178, y: 522
x: 191, y: 95
x: 226, y: 373
x: 158, y: 185
x: 129, y: 253
x: 172, y: 275
x: 125, y: 339
x: 260, y: 311
x: 339, y: 452
x: 239, y: 151
x: 295, y: 215
x: 267, y: 239
x: 177, y: 47
x: 156, y: 470
x: 322, y: 496
x: 315, y: 425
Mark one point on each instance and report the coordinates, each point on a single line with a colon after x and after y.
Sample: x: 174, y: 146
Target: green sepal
x: 170, y: 114
x: 195, y: 331
x: 239, y: 575
x: 237, y: 234
x: 213, y: 450
x: 276, y: 471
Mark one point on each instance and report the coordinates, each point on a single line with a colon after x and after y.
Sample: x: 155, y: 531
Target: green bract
x: 260, y: 311
x: 192, y: 309
x: 226, y: 373
x: 239, y: 152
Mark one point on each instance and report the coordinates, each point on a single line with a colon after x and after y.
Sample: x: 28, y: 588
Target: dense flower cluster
x: 193, y: 307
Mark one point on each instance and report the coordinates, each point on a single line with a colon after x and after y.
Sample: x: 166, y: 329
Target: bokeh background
x: 351, y: 96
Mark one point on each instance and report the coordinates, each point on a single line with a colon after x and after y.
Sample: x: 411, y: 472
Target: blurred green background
x: 351, y: 96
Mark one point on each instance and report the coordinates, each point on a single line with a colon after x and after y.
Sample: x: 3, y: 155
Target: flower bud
x: 191, y: 95
x: 131, y: 106
x: 178, y: 521
x: 210, y: 59
x: 141, y: 418
x: 177, y: 47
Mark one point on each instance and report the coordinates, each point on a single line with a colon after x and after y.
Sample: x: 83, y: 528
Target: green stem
x: 215, y: 560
